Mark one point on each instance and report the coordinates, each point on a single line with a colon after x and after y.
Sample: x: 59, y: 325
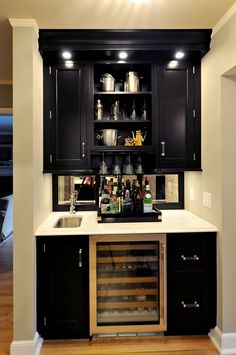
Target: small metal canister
x: 108, y: 82
x: 132, y: 82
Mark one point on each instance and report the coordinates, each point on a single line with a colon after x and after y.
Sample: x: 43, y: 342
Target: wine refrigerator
x: 127, y: 283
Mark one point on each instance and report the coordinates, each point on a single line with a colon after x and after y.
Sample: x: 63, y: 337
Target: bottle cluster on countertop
x: 117, y: 196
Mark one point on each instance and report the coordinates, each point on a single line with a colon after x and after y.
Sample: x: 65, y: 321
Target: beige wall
x: 219, y: 164
x: 32, y: 189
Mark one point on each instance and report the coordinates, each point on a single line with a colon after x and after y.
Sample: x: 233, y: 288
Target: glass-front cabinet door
x: 127, y: 283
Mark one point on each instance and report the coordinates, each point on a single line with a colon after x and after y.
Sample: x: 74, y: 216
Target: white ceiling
x: 81, y: 14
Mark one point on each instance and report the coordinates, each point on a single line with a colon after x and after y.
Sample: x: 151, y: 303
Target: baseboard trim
x: 224, y: 342
x: 27, y: 347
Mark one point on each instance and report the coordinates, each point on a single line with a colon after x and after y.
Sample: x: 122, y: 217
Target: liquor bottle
x: 100, y: 190
x: 110, y: 186
x: 114, y: 203
x: 105, y: 200
x: 128, y: 185
x: 120, y: 194
x: 128, y: 203
x: 137, y: 199
x: 147, y: 200
x: 99, y: 110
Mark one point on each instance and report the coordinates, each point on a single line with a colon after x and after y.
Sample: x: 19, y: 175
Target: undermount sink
x: 68, y: 222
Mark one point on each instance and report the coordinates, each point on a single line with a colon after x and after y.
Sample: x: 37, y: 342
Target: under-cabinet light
x: 69, y: 63
x: 179, y: 55
x: 173, y: 64
x: 66, y: 55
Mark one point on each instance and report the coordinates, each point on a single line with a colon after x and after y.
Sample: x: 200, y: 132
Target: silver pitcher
x: 108, y: 136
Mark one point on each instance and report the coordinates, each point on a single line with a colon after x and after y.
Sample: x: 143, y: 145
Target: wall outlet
x: 191, y: 194
x: 206, y: 199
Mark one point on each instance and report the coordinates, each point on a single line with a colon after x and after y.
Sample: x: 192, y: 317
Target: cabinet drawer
x: 190, y: 301
x: 191, y: 283
x: 189, y: 254
x: 189, y: 309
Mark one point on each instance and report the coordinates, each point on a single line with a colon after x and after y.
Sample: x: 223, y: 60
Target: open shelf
x: 120, y: 148
x: 128, y: 121
x: 122, y: 93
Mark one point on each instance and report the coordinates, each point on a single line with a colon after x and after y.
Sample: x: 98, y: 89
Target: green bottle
x: 147, y: 200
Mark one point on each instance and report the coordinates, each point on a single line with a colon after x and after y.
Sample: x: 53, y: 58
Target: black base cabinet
x: 191, y: 283
x: 63, y: 287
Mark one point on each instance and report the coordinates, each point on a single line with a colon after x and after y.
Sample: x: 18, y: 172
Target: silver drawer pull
x: 190, y: 258
x: 190, y: 305
x: 80, y: 257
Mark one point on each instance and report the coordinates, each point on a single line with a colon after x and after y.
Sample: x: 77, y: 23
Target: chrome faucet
x: 73, y: 199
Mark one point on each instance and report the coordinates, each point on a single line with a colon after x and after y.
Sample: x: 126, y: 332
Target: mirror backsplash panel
x: 166, y: 189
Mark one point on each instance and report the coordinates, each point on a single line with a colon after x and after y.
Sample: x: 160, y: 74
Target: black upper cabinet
x: 179, y: 121
x: 171, y: 95
x: 65, y: 117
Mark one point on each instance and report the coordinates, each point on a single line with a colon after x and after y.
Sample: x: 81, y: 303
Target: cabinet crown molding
x: 31, y: 23
x: 154, y: 40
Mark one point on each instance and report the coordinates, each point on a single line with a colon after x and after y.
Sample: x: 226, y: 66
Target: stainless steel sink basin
x: 68, y: 222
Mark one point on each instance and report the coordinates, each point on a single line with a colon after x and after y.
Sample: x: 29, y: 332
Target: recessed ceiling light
x: 123, y: 55
x: 140, y: 1
x: 69, y: 63
x: 179, y: 55
x: 66, y: 55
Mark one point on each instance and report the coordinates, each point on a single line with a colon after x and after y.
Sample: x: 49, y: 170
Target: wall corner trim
x: 27, y: 347
x: 224, y: 342
x: 224, y: 20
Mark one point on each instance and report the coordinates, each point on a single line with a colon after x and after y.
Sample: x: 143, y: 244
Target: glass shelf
x: 122, y: 93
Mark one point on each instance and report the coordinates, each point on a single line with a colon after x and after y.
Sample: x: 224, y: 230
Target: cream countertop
x: 173, y: 221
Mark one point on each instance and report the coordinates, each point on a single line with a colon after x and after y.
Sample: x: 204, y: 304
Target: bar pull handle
x: 83, y: 150
x: 80, y: 258
x: 163, y: 149
x: 190, y: 305
x: 190, y: 258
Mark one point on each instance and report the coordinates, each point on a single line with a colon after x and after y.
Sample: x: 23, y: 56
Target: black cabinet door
x: 63, y: 287
x: 191, y: 283
x: 179, y: 134
x: 65, y: 117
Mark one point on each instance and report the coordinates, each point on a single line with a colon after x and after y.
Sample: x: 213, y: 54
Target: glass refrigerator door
x: 128, y: 283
